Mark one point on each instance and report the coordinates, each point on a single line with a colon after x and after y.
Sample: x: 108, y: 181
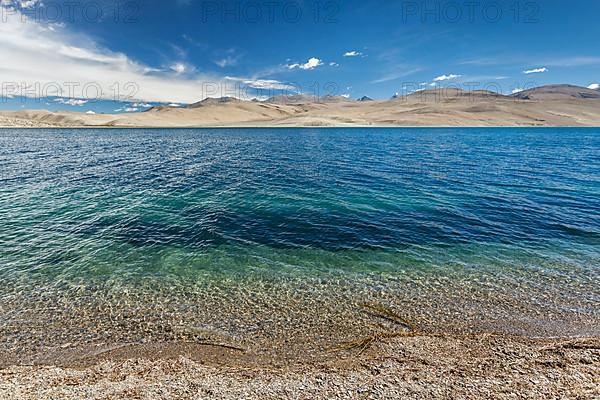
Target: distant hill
x: 365, y: 98
x: 451, y: 94
x: 291, y: 99
x: 334, y: 99
x: 305, y: 99
x: 555, y: 105
x: 212, y: 101
x: 558, y: 92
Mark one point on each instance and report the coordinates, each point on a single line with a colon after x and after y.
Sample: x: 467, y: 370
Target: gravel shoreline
x: 410, y: 367
x: 368, y: 351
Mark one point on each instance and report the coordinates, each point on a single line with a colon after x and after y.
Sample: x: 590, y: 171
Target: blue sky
x: 180, y: 51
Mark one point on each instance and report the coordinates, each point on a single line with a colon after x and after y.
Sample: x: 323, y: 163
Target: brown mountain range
x: 555, y: 105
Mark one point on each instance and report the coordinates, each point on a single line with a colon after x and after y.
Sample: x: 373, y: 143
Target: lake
x: 280, y: 237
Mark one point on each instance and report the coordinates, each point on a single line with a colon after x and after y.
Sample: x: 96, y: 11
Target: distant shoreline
x: 549, y: 106
x: 101, y: 127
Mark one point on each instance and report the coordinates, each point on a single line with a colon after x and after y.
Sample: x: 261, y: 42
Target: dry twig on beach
x: 388, y: 314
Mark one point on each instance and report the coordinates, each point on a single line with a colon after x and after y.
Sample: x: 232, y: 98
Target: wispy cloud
x: 512, y: 59
x: 352, y: 53
x: 594, y: 86
x: 226, y: 62
x: 45, y: 57
x: 312, y: 63
x: 578, y: 61
x: 230, y: 59
x: 194, y: 42
x: 484, y: 61
x: 397, y: 74
x: 536, y: 71
x: 481, y: 78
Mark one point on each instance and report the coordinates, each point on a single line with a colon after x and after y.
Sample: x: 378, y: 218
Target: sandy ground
x: 391, y: 358
x: 9, y: 122
x: 411, y: 367
x: 562, y: 107
x: 295, y: 350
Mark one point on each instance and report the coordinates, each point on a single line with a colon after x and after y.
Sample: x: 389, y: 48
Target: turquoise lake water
x: 134, y: 235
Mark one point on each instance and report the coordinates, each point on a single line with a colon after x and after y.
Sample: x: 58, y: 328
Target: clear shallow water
x: 129, y: 234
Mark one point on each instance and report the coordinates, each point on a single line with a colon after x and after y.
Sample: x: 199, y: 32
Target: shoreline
x: 293, y: 323
x: 226, y: 354
x: 91, y: 127
x: 419, y: 366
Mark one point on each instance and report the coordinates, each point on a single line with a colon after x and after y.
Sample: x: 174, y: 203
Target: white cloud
x: 517, y: 90
x: 536, y: 71
x: 312, y: 63
x: 345, y: 95
x: 334, y: 64
x: 90, y: 112
x: 43, y: 61
x: 260, y: 98
x: 270, y: 84
x: 20, y: 4
x: 71, y: 102
x: 352, y: 53
x: 179, y: 68
x: 29, y: 3
x: 446, y: 77
x: 594, y: 86
x: 127, y: 109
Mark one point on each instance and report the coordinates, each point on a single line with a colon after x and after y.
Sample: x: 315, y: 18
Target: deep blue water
x: 332, y: 189
x: 110, y: 208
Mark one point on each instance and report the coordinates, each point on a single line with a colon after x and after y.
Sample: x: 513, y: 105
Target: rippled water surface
x: 256, y: 234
